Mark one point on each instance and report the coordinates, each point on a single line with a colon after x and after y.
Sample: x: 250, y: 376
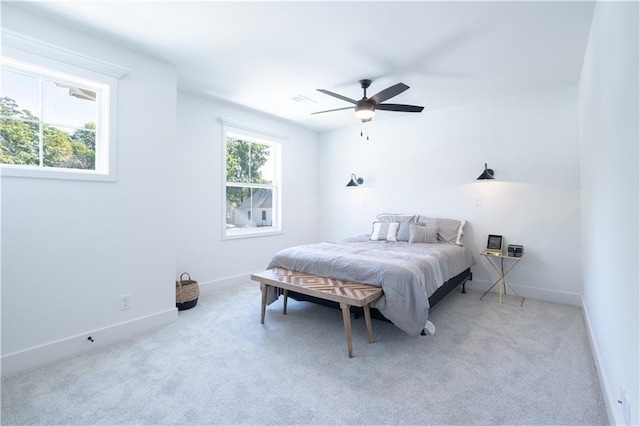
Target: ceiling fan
x: 366, y: 107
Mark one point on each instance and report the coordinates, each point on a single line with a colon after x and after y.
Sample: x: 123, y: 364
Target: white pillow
x: 423, y: 234
x: 404, y: 219
x: 384, y: 231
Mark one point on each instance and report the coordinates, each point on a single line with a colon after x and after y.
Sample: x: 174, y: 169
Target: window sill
x: 55, y: 173
x: 251, y: 234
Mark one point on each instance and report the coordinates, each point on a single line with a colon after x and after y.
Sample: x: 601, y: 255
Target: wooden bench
x: 346, y: 293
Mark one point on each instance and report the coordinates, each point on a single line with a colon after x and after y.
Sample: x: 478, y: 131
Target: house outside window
x: 57, y: 112
x: 252, y: 188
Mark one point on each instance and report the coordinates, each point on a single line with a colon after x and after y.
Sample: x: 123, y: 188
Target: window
x: 57, y: 120
x: 252, y: 189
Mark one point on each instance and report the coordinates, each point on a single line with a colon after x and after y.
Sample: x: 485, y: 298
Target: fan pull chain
x: 362, y: 131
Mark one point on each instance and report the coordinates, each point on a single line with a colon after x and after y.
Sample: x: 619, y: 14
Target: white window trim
x: 259, y: 133
x: 44, y: 55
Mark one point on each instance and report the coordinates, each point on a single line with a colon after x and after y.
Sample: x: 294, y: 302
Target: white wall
x: 71, y: 248
x: 609, y: 138
x: 428, y: 164
x: 201, y: 250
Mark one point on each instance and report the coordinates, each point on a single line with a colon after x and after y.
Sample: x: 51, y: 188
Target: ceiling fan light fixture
x: 365, y: 115
x: 366, y: 107
x: 365, y: 112
x: 366, y: 120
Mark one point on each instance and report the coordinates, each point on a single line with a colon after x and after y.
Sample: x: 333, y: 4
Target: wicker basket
x: 187, y: 292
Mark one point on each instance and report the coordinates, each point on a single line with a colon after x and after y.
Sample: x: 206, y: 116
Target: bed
x: 416, y: 260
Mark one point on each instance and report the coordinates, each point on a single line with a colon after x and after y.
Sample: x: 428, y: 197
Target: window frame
x: 262, y: 136
x: 45, y: 61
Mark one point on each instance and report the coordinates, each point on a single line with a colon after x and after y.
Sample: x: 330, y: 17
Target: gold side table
x: 499, y: 268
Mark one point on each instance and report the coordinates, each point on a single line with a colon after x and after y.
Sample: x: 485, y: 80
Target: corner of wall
x: 605, y: 388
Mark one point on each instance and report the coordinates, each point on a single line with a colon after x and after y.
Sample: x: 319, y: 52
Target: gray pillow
x: 423, y: 234
x: 405, y: 220
x: 449, y: 230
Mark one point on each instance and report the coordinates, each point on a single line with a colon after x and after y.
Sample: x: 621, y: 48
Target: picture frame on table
x: 494, y: 243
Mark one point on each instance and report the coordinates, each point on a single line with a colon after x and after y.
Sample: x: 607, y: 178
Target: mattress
x: 407, y: 272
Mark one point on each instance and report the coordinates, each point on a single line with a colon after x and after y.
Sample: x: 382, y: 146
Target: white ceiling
x: 262, y: 54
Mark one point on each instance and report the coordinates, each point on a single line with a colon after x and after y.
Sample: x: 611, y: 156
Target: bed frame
x: 436, y: 297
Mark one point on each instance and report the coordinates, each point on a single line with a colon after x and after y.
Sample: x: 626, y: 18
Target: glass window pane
x: 238, y: 204
x: 249, y: 162
x: 262, y: 164
x: 68, y: 148
x: 262, y: 207
x: 19, y: 142
x: 238, y: 167
x: 20, y: 96
x: 249, y: 207
x: 67, y: 105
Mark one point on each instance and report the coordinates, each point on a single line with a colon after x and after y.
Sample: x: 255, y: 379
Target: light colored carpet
x: 486, y: 364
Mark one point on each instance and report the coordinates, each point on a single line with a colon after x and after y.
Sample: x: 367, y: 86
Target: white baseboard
x: 227, y: 283
x: 74, y: 345
x: 610, y: 400
x: 531, y: 293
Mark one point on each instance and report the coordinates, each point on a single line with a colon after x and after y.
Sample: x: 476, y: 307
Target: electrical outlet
x: 625, y: 406
x: 125, y: 302
x: 478, y: 201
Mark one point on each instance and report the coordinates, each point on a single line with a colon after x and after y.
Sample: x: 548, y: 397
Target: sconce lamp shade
x: 355, y: 181
x: 486, y: 174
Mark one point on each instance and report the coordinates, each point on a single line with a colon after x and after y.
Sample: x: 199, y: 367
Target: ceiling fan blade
x: 388, y: 93
x: 335, y: 95
x: 399, y: 107
x: 331, y: 110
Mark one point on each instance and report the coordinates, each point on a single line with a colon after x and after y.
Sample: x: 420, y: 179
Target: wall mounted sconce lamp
x: 486, y: 174
x: 355, y: 181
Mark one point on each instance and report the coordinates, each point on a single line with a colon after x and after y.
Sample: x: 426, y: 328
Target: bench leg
x: 263, y: 305
x: 367, y: 320
x: 347, y: 327
x: 286, y: 296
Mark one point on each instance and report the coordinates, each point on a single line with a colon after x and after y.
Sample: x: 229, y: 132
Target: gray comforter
x: 408, y: 273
